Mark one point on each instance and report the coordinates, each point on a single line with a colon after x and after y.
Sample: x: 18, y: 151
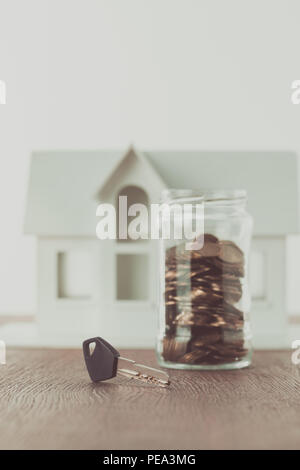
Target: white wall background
x: 164, y: 74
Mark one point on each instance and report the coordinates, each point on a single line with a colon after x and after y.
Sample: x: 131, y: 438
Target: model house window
x: 74, y: 276
x: 135, y: 195
x: 132, y: 277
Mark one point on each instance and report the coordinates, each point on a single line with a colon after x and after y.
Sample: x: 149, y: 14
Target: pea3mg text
x: 156, y: 459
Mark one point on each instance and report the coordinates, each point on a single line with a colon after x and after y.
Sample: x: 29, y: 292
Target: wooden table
x: 48, y: 402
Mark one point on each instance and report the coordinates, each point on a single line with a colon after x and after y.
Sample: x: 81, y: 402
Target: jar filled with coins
x: 204, y: 297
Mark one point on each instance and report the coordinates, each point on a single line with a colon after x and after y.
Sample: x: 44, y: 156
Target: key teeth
x: 152, y: 380
x: 149, y: 379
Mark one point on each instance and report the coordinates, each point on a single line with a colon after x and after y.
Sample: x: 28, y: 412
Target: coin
x: 194, y: 356
x: 231, y: 253
x: 174, y: 348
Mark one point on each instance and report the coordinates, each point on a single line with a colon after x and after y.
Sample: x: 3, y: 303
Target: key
x: 104, y: 362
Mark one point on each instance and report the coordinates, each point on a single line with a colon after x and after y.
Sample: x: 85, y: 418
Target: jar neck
x: 182, y: 196
x: 214, y: 199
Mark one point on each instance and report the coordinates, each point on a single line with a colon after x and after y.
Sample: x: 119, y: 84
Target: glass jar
x: 204, y: 296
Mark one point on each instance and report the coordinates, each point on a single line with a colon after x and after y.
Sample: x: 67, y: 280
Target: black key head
x: 101, y: 359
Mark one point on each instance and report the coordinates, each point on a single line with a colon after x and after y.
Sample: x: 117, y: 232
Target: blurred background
x: 162, y: 74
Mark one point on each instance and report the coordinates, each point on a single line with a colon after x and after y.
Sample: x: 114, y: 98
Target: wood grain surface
x: 48, y: 402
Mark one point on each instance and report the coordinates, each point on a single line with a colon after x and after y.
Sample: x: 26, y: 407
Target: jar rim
x: 204, y: 194
x: 181, y: 195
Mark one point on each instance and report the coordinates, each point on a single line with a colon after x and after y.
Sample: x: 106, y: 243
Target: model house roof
x: 62, y: 186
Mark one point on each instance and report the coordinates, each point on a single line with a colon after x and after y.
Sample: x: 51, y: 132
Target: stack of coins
x: 202, y: 288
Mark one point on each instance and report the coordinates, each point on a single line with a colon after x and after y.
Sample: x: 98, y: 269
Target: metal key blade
x: 132, y: 370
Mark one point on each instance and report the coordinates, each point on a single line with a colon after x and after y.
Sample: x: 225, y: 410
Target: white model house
x: 108, y: 288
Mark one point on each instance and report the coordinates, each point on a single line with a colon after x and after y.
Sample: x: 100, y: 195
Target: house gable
x: 134, y: 169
